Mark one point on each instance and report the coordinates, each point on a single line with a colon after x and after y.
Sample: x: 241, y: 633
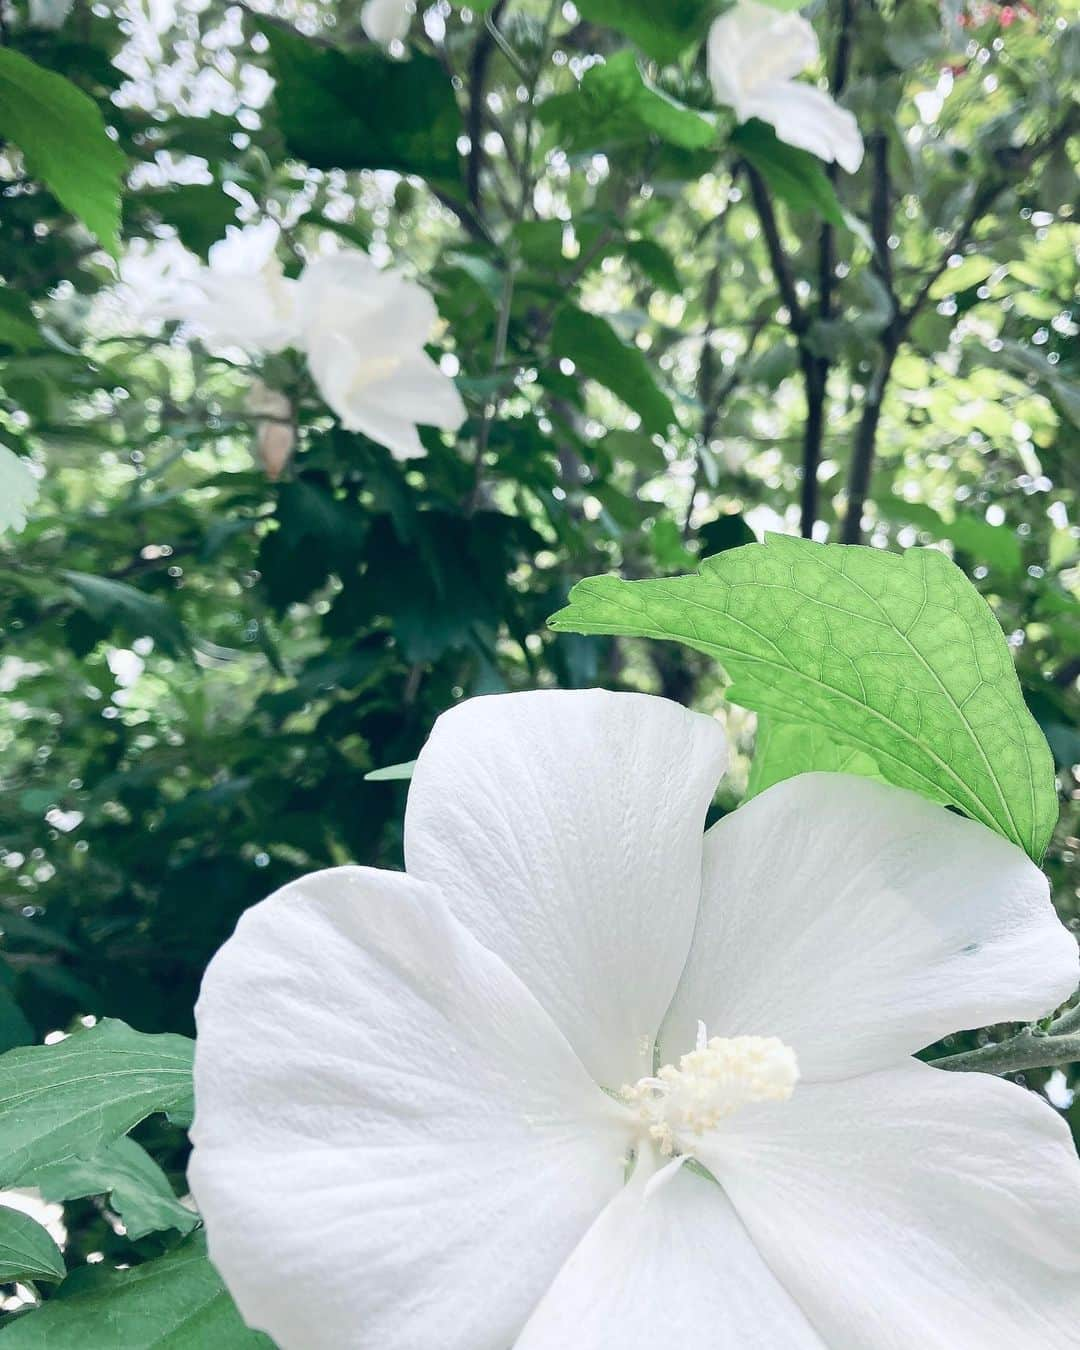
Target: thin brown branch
x: 474, y: 116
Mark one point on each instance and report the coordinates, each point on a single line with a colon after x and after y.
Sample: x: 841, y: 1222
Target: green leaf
x: 656, y: 263
x: 18, y: 490
x: 27, y: 1252
x: 599, y: 354
x: 18, y: 326
x: 784, y: 749
x: 663, y: 31
x: 62, y: 135
x: 361, y: 110
x: 392, y: 773
x: 116, y: 604
x: 898, y: 656
x: 201, y: 212
x: 615, y: 104
x: 140, y: 1191
x: 71, y: 1099
x: 795, y: 175
x: 177, y: 1302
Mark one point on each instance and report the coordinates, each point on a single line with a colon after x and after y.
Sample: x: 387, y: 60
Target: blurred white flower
x: 386, y: 21
x: 49, y: 13
x: 754, y: 54
x: 18, y: 490
x: 155, y: 275
x: 243, y: 298
x: 410, y: 1086
x: 364, y: 332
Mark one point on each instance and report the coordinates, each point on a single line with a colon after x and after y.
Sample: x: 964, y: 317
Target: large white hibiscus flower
x: 410, y: 1088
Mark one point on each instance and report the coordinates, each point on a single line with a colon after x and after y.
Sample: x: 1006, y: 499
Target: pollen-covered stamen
x: 712, y: 1082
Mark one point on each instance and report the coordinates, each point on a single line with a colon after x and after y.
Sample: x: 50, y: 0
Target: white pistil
x: 712, y: 1082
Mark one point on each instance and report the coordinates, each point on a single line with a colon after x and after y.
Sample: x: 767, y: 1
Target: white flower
x: 49, y: 13
x: 364, y: 332
x: 18, y: 490
x: 407, y: 1085
x: 754, y: 55
x: 243, y: 298
x: 386, y: 21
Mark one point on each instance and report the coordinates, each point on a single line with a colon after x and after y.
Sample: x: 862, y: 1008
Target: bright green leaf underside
x: 784, y: 749
x: 62, y: 135
x: 72, y: 1099
x: 896, y: 656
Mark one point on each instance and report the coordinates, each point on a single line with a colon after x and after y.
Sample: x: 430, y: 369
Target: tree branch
x: 1031, y: 1048
x: 759, y: 193
x: 474, y: 117
x: 816, y: 368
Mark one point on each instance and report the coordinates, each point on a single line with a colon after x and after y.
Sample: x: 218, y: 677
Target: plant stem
x: 1031, y: 1048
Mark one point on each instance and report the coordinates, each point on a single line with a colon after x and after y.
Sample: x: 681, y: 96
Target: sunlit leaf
x: 62, y: 135
x: 784, y: 749
x: 898, y: 656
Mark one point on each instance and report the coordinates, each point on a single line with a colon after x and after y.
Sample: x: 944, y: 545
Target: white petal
x: 421, y: 387
x: 754, y: 44
x: 808, y: 118
x: 18, y: 490
x: 664, y: 1267
x: 564, y: 829
x: 860, y: 923
x: 245, y: 250
x: 394, y: 1147
x: 343, y: 382
x: 914, y: 1208
x: 386, y: 21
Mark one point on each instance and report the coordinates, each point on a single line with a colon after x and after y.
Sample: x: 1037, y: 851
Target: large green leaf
x: 362, y: 110
x: 784, y: 749
x: 139, y: 1190
x: 795, y: 175
x: 599, y: 354
x: 62, y: 135
x: 898, y: 656
x: 27, y: 1252
x: 73, y: 1098
x: 177, y: 1302
x: 664, y: 31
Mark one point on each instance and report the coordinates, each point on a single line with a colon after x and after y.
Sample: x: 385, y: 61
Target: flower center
x: 711, y: 1082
